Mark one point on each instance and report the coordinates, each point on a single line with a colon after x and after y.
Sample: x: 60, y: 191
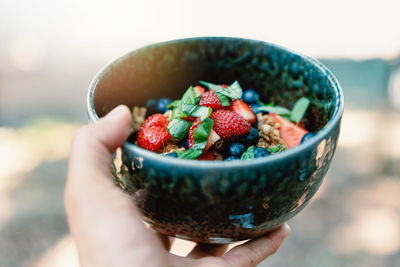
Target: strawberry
x: 206, y: 156
x: 156, y: 120
x: 229, y: 124
x: 189, y: 118
x: 200, y: 90
x: 212, y: 139
x: 290, y: 132
x: 223, y: 85
x: 243, y: 110
x: 194, y: 126
x: 210, y: 99
x: 153, y: 137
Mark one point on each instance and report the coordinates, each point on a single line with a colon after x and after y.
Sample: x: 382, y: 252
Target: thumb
x: 94, y: 143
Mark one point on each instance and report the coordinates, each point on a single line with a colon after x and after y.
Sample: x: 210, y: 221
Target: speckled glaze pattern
x: 221, y: 202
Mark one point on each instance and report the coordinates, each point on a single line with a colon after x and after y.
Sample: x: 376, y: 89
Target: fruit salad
x: 218, y: 122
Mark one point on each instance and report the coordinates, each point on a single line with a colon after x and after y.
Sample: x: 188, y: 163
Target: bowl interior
x: 168, y: 69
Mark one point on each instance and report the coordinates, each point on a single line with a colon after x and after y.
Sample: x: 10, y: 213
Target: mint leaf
x: 202, y: 131
x: 190, y: 96
x: 202, y: 112
x: 192, y: 153
x: 276, y: 109
x: 196, y: 111
x: 275, y: 149
x: 299, y: 109
x: 211, y: 86
x: 179, y: 152
x: 188, y: 108
x: 177, y: 112
x: 249, y: 154
x: 233, y: 91
x: 174, y: 104
x: 179, y: 128
x: 223, y: 99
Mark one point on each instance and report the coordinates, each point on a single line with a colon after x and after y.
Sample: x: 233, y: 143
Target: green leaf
x: 202, y: 112
x: 234, y: 91
x: 276, y: 109
x: 174, y: 104
x: 275, y: 149
x: 196, y: 111
x: 202, y: 131
x: 223, y: 99
x: 190, y: 96
x: 188, y: 108
x: 179, y: 128
x: 179, y: 152
x: 192, y: 153
x: 177, y: 112
x: 299, y: 109
x: 249, y: 154
x: 211, y: 86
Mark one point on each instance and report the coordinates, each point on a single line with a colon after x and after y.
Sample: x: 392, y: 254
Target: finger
x: 165, y: 240
x: 103, y: 220
x: 206, y: 250
x: 253, y: 252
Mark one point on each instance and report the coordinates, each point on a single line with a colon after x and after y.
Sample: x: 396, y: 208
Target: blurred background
x: 50, y: 50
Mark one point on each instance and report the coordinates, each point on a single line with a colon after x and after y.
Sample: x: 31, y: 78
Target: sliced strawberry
x: 223, y: 85
x: 153, y: 137
x: 290, y: 132
x: 156, y: 120
x: 212, y: 139
x: 200, y: 90
x: 189, y: 118
x: 207, y: 156
x: 243, y: 110
x: 194, y: 126
x: 210, y: 99
x: 229, y: 124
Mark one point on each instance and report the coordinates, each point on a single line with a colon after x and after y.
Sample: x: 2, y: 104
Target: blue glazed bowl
x: 217, y: 201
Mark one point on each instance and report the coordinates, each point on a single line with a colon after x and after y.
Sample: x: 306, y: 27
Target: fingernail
x: 117, y: 112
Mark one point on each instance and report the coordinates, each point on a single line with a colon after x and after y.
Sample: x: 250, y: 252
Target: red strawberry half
x: 153, y: 138
x: 200, y: 90
x: 289, y: 132
x: 243, y: 110
x: 212, y: 139
x: 156, y: 120
x: 153, y: 133
x: 210, y: 99
x: 229, y: 124
x: 206, y: 156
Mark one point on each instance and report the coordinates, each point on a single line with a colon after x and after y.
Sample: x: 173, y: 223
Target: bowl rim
x: 203, y: 164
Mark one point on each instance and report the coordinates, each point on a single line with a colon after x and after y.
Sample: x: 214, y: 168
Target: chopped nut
x: 138, y: 118
x: 269, y: 132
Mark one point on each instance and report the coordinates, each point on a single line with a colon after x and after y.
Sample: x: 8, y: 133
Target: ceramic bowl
x: 217, y: 201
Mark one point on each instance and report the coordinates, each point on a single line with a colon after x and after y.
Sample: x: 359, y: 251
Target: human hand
x: 107, y: 226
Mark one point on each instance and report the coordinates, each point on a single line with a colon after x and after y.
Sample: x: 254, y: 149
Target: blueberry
x: 250, y: 96
x: 236, y: 149
x: 151, y: 103
x: 185, y: 142
x: 307, y: 136
x: 251, y: 138
x: 231, y: 158
x: 260, y: 152
x: 255, y: 108
x: 162, y: 105
x: 172, y: 154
